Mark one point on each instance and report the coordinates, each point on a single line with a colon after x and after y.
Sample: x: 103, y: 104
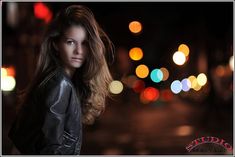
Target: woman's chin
x: 76, y: 65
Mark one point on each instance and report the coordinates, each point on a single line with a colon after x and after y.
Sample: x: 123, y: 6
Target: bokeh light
x: 151, y: 94
x: 184, y: 48
x: 10, y: 71
x: 129, y: 80
x: 41, y: 11
x: 142, y: 71
x: 201, y: 79
x: 138, y: 86
x: 231, y: 63
x: 116, y: 87
x: 136, y: 53
x: 186, y: 84
x: 184, y: 130
x: 220, y: 70
x: 176, y: 86
x: 8, y: 83
x: 187, y: 58
x: 193, y: 81
x: 179, y: 58
x: 3, y: 72
x: 166, y: 95
x: 196, y: 86
x: 143, y: 99
x: 165, y: 73
x: 135, y: 27
x: 156, y: 75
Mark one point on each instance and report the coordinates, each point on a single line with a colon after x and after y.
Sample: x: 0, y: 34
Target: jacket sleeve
x: 55, y: 98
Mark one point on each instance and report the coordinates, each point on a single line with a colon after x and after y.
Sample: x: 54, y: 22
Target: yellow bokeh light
x: 7, y: 83
x: 115, y: 87
x: 184, y: 48
x: 179, y: 58
x: 231, y: 63
x: 3, y: 72
x: 142, y: 71
x: 136, y: 53
x: 165, y: 73
x: 201, y: 79
x: 193, y: 81
x: 197, y: 87
x: 135, y: 27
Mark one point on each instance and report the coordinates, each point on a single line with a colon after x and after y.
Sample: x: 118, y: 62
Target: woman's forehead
x: 76, y: 32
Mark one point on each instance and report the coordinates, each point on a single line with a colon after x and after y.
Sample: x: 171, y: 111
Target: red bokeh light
x: 166, y: 95
x: 10, y: 71
x: 138, y: 86
x: 41, y: 11
x: 151, y: 94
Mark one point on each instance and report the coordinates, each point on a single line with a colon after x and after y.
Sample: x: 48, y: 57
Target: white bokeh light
x: 116, y: 87
x: 179, y: 58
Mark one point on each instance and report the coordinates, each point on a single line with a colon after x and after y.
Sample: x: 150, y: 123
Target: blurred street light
x: 231, y: 63
x: 116, y: 87
x: 201, y: 79
x: 184, y: 48
x: 179, y: 58
x: 136, y: 53
x: 176, y: 86
x: 7, y: 79
x: 142, y: 71
x: 135, y: 27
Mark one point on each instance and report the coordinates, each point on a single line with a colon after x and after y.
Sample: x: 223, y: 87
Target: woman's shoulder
x: 55, y: 90
x: 55, y: 78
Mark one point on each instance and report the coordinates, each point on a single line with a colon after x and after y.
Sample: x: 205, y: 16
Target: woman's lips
x: 77, y: 59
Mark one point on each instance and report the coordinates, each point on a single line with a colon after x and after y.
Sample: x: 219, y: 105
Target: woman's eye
x: 70, y: 42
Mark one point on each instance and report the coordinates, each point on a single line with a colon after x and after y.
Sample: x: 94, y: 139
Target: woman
x: 69, y: 86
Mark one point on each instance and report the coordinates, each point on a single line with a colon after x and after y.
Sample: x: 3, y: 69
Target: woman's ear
x: 55, y: 46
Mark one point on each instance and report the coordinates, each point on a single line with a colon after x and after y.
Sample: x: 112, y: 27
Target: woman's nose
x: 78, y: 49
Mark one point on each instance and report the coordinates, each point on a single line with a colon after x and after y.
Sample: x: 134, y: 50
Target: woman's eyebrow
x: 74, y: 39
x: 69, y: 38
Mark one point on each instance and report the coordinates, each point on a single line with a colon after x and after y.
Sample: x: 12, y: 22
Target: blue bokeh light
x: 176, y: 86
x: 156, y: 75
x: 186, y: 84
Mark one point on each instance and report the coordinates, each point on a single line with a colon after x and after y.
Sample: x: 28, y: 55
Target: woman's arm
x: 56, y: 96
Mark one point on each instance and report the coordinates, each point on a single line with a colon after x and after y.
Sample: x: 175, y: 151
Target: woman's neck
x: 69, y: 71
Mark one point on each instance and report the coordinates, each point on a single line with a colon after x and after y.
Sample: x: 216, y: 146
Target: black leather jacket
x: 50, y: 121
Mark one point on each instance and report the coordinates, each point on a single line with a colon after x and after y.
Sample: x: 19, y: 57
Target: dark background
x: 128, y: 126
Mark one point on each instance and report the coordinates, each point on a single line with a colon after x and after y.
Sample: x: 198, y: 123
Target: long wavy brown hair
x: 91, y: 80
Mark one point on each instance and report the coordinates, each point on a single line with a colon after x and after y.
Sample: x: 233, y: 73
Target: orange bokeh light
x: 10, y: 71
x: 142, y: 71
x: 135, y: 27
x: 136, y: 53
x: 165, y: 73
x: 184, y: 48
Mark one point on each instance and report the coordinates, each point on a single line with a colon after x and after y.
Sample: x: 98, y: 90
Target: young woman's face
x: 73, y: 48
